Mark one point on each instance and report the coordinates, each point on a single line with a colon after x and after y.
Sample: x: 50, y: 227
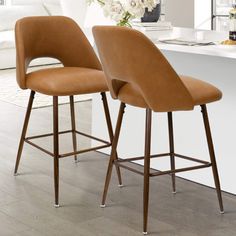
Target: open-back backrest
x: 51, y: 36
x: 128, y: 56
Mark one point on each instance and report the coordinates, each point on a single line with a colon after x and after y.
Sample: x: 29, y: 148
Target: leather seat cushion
x: 201, y: 92
x: 65, y: 81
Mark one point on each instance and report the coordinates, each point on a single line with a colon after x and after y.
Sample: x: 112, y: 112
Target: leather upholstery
x: 138, y: 74
x: 200, y: 91
x: 129, y: 94
x: 61, y: 38
x: 66, y: 81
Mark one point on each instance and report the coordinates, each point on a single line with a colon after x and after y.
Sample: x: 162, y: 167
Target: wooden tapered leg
x: 113, y: 153
x: 171, y: 143
x: 24, y: 130
x: 56, y: 150
x: 110, y: 131
x: 212, y: 156
x: 73, y: 127
x: 148, y: 128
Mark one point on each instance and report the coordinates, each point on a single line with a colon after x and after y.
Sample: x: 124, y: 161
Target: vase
x: 152, y: 16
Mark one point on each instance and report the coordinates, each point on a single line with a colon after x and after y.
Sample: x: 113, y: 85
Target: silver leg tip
x: 174, y: 192
x: 120, y: 185
x: 15, y: 174
x: 145, y: 233
x: 222, y: 212
x: 102, y: 206
x: 56, y: 205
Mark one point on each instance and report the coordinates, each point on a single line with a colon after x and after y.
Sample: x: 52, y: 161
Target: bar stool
x: 61, y: 38
x: 139, y: 75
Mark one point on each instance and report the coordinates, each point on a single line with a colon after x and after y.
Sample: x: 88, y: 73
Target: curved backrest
x: 51, y: 36
x: 128, y: 56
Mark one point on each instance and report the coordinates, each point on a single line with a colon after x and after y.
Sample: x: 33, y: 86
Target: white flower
x: 150, y: 4
x: 89, y: 2
x: 135, y: 8
x: 113, y: 9
x: 125, y: 10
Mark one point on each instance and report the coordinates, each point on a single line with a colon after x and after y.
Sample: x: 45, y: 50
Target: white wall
x: 95, y: 16
x: 180, y: 13
x: 25, y: 2
x: 189, y: 13
x: 75, y: 9
x: 85, y: 15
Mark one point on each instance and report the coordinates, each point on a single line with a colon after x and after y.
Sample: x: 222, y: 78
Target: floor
x: 26, y: 201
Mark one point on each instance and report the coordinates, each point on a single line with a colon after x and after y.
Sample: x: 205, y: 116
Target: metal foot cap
x: 120, y: 185
x: 174, y: 192
x: 56, y: 205
x: 102, y: 206
x: 222, y: 212
x: 145, y: 233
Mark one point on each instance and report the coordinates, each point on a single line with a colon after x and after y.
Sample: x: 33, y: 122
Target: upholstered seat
x: 66, y: 81
x: 201, y: 92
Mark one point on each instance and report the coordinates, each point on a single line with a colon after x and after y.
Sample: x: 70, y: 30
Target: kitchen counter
x: 215, y: 64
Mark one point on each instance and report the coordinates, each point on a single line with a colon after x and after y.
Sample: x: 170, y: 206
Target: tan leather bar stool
x: 139, y: 75
x: 61, y: 38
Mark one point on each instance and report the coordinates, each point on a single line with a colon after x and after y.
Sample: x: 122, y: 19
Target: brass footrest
x: 106, y: 143
x: 203, y: 164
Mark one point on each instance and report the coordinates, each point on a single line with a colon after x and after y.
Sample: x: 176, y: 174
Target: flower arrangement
x: 122, y: 11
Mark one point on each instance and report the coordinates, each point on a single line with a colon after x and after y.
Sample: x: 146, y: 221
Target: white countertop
x: 227, y: 51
